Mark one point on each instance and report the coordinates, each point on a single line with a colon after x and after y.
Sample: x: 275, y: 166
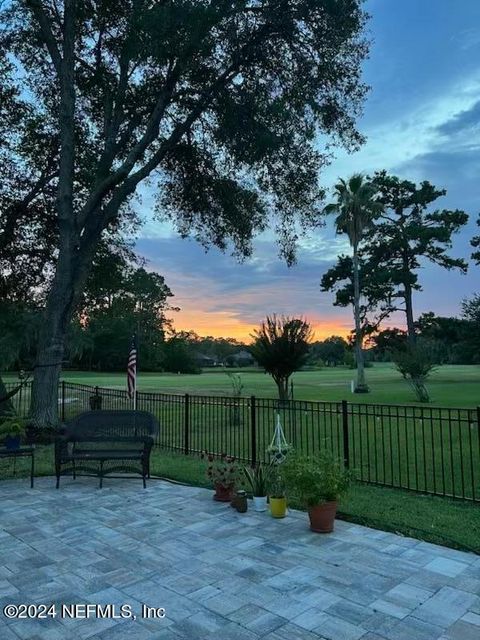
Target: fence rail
x: 434, y: 450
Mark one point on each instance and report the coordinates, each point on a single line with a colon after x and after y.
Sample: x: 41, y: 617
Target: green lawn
x: 450, y: 385
x: 437, y: 520
x: 432, y: 450
x: 420, y: 453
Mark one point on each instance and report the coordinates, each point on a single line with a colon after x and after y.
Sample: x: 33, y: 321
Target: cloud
x: 464, y: 120
x: 421, y: 121
x: 219, y: 296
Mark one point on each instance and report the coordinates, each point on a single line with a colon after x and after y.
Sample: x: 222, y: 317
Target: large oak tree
x: 216, y: 103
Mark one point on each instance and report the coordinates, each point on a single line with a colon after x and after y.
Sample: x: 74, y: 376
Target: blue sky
x: 421, y: 120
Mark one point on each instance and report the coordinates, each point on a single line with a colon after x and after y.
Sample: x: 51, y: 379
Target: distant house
x: 242, y: 358
x: 206, y: 361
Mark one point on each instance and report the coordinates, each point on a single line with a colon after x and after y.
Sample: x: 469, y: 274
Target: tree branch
x: 47, y: 34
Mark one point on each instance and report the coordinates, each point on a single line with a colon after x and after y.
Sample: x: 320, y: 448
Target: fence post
x: 346, y: 448
x: 186, y: 443
x: 63, y: 400
x: 478, y: 426
x: 253, y: 430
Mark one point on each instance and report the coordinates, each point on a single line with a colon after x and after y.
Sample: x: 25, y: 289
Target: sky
x: 421, y: 120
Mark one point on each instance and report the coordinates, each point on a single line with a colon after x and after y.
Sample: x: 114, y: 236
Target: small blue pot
x: 12, y: 443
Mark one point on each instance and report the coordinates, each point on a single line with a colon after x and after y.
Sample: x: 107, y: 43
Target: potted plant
x: 318, y: 482
x: 257, y: 478
x: 222, y: 472
x: 278, y: 447
x: 277, y: 497
x: 12, y: 431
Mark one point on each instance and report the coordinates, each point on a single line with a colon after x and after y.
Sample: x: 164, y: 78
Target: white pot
x: 259, y: 503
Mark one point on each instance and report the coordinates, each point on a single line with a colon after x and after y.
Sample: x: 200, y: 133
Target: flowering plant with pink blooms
x: 221, y: 470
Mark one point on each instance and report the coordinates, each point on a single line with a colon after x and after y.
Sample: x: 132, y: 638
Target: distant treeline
x: 122, y: 299
x: 100, y: 341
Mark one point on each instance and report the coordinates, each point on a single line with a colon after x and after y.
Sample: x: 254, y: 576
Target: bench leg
x: 58, y: 470
x: 145, y: 469
x: 32, y: 471
x: 101, y: 474
x: 74, y: 470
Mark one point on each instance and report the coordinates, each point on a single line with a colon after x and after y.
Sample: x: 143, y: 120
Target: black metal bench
x: 99, y: 443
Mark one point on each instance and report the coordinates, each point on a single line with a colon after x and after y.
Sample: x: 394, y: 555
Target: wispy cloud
x: 421, y: 121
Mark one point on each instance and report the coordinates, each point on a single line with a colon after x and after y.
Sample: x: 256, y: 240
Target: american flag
x: 132, y: 370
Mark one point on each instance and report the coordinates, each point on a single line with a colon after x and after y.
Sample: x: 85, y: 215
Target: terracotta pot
x: 322, y: 517
x: 223, y: 494
x: 278, y: 507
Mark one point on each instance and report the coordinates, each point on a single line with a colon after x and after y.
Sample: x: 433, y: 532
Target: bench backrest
x: 111, y: 424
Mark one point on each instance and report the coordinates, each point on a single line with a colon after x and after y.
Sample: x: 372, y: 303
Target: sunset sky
x: 422, y: 122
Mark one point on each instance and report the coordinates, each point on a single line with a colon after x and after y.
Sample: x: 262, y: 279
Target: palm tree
x: 281, y: 346
x: 356, y: 208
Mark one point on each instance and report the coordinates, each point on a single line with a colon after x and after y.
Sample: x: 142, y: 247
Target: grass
x: 438, y: 520
x: 432, y: 450
x: 431, y: 518
x: 449, y: 386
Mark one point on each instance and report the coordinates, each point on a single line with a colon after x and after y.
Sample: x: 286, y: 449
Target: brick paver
x: 217, y: 573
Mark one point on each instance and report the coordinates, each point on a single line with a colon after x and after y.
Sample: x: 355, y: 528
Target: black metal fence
x: 433, y: 450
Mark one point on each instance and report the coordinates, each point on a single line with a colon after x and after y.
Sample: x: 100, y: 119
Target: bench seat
x: 121, y: 437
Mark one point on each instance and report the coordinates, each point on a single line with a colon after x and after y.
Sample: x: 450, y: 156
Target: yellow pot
x: 278, y: 507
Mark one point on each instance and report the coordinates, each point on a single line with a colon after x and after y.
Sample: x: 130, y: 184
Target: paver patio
x: 217, y: 573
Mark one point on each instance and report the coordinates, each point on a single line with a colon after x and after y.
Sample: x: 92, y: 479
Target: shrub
x: 415, y: 363
x: 314, y: 480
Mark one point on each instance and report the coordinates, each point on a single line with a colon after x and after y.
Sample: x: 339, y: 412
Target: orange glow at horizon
x: 210, y: 308
x: 229, y: 325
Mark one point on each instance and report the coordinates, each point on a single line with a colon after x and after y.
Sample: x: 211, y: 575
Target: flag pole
x: 135, y: 392
x: 132, y: 372
x: 135, y: 342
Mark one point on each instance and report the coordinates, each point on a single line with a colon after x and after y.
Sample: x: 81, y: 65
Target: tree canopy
x: 281, y: 346
x: 406, y: 233
x: 475, y: 242
x: 219, y: 105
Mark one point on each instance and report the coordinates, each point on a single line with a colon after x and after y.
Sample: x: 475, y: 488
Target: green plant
x: 12, y: 426
x: 258, y: 479
x: 314, y: 480
x: 415, y: 363
x: 281, y: 346
x: 276, y: 484
x: 237, y: 384
x: 275, y: 451
x: 221, y: 470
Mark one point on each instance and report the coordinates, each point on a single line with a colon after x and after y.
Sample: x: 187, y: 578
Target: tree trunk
x: 282, y: 386
x: 44, y: 401
x: 71, y: 273
x: 61, y: 299
x: 361, y: 386
x: 412, y: 338
x: 6, y: 405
